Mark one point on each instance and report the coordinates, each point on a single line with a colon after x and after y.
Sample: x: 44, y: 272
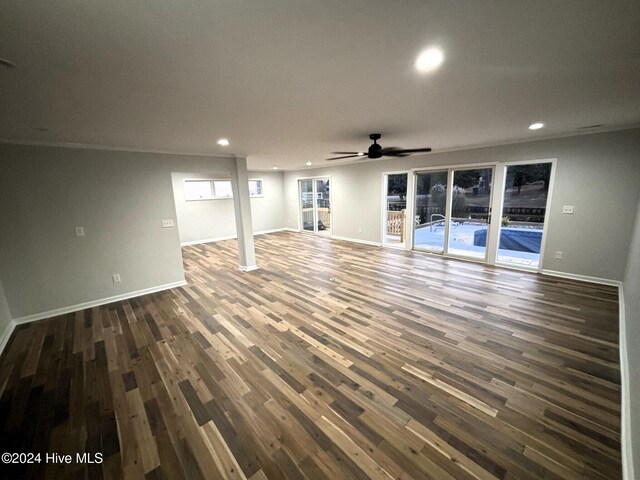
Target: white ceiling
x: 288, y: 81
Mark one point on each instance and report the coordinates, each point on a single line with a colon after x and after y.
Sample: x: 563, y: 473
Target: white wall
x: 119, y: 198
x: 599, y: 174
x: 207, y: 220
x: 631, y: 338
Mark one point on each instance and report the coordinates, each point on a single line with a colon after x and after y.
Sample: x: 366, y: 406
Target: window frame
x: 189, y: 180
x: 214, y: 196
x: 261, y: 195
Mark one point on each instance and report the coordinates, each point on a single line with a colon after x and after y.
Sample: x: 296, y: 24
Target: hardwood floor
x: 333, y: 360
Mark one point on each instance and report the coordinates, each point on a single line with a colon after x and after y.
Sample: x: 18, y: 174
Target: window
x: 210, y: 189
x: 197, y: 190
x: 222, y: 189
x: 255, y: 188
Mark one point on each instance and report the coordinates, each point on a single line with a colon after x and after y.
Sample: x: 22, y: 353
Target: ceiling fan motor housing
x: 375, y: 151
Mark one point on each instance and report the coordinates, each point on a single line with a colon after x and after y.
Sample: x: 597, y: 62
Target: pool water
x: 461, y: 242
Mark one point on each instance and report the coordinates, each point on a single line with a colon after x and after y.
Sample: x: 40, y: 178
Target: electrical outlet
x: 559, y: 254
x: 567, y: 209
x: 168, y: 223
x: 116, y: 278
x: 79, y: 231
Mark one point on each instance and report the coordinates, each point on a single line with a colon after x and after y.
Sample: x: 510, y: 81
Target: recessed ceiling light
x: 309, y: 164
x: 429, y: 60
x: 223, y: 141
x: 275, y: 168
x: 536, y: 126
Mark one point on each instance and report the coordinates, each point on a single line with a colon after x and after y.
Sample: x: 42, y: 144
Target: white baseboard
x: 357, y: 240
x: 625, y: 379
x: 229, y: 237
x: 6, y: 335
x: 208, y: 240
x: 96, y: 303
x: 273, y: 230
x: 583, y: 278
x: 290, y: 229
x: 248, y: 268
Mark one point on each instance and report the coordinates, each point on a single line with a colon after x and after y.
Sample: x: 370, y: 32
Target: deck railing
x: 324, y: 216
x: 395, y: 223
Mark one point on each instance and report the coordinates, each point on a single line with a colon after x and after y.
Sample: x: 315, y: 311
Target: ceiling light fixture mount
x: 309, y: 163
x: 536, y: 126
x: 223, y: 142
x: 275, y: 168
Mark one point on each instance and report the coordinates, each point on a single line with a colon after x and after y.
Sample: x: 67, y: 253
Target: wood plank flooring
x: 334, y: 360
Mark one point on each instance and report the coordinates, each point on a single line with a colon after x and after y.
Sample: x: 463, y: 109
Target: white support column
x: 242, y: 209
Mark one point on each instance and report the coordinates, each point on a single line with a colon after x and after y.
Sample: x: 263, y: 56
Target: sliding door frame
x: 315, y: 204
x: 383, y: 221
x: 409, y: 245
x: 500, y: 205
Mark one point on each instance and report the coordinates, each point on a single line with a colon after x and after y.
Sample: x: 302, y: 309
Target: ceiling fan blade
x: 344, y: 153
x: 396, y: 153
x: 413, y: 150
x: 389, y: 151
x: 346, y: 156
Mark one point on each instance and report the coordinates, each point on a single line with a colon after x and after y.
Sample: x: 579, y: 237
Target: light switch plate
x: 168, y: 223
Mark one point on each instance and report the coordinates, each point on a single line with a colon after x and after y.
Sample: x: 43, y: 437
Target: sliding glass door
x: 453, y: 211
x: 395, y: 209
x: 524, y: 209
x: 315, y: 205
x: 430, y: 211
x: 470, y: 213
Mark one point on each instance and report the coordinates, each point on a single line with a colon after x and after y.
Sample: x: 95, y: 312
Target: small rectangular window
x: 197, y: 190
x: 222, y: 189
x: 255, y: 188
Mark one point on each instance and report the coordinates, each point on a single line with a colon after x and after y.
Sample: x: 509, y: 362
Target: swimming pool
x: 518, y: 245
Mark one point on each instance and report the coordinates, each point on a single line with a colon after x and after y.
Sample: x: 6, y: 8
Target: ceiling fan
x: 376, y: 151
